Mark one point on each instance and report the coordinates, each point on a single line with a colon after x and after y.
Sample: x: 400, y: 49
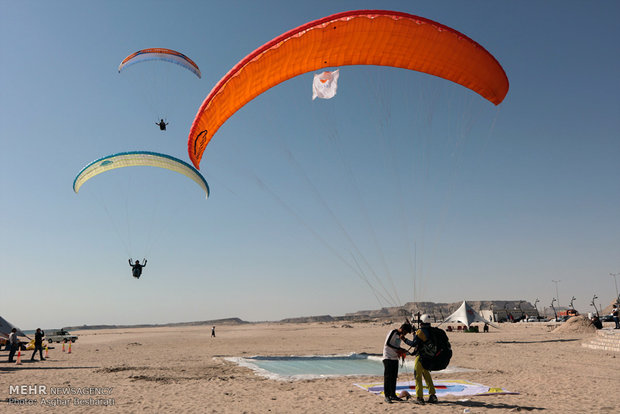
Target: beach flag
x: 19, y: 358
x: 68, y: 352
x: 325, y: 85
x: 63, y: 347
x: 45, y: 350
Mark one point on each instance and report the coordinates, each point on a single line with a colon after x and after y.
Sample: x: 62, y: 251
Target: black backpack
x: 436, y: 352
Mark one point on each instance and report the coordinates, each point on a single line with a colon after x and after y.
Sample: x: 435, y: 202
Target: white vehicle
x: 61, y: 336
x: 539, y: 319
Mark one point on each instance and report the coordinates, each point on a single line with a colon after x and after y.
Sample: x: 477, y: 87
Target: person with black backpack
x: 433, y: 354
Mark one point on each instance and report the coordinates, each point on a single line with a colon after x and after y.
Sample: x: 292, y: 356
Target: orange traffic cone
x: 46, y: 351
x: 63, y: 347
x: 19, y: 358
x: 68, y: 352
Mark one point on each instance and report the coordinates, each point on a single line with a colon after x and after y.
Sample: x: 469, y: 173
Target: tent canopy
x: 466, y: 315
x: 6, y: 327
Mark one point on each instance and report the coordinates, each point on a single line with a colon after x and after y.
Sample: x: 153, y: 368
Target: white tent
x: 467, y: 315
x: 6, y: 327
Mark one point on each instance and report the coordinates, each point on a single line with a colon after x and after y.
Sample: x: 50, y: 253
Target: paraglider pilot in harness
x: 162, y: 124
x: 433, y: 353
x: 136, y: 268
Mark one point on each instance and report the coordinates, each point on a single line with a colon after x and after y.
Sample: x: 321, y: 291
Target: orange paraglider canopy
x: 359, y: 37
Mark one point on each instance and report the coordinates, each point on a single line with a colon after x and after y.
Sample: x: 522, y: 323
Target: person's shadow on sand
x: 482, y: 404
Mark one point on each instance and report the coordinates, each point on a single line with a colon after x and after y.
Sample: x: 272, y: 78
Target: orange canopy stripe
x: 359, y: 37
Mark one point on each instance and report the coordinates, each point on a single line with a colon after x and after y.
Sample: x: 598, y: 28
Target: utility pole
x: 555, y: 315
x: 594, y: 304
x: 616, y: 283
x: 556, y: 291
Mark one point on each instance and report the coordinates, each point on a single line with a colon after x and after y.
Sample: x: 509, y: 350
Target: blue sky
x: 403, y: 176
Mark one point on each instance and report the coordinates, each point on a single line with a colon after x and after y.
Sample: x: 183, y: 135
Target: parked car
x: 60, y: 336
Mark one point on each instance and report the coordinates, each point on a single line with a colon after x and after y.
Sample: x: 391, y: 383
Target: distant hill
x: 226, y: 321
x: 437, y: 310
x: 309, y: 319
x: 443, y: 310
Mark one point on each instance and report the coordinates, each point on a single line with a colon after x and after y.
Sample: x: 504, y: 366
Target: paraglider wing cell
x: 359, y: 37
x: 139, y: 158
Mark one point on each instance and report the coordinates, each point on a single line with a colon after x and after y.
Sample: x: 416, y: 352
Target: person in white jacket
x: 391, y: 354
x: 13, y: 343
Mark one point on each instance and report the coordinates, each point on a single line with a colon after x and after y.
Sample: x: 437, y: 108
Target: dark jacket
x: 38, y: 338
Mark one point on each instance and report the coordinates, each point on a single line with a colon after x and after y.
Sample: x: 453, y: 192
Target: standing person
x: 614, y: 315
x: 421, y: 338
x: 38, y: 344
x: 13, y: 343
x: 213, y: 332
x: 136, y: 268
x: 391, y: 353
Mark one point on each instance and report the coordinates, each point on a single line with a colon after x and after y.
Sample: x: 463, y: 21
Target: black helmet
x: 406, y: 328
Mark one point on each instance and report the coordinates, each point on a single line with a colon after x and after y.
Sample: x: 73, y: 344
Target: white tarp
x: 325, y: 85
x: 466, y: 315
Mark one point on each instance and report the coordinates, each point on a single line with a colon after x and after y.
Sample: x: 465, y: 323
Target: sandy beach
x: 183, y: 369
